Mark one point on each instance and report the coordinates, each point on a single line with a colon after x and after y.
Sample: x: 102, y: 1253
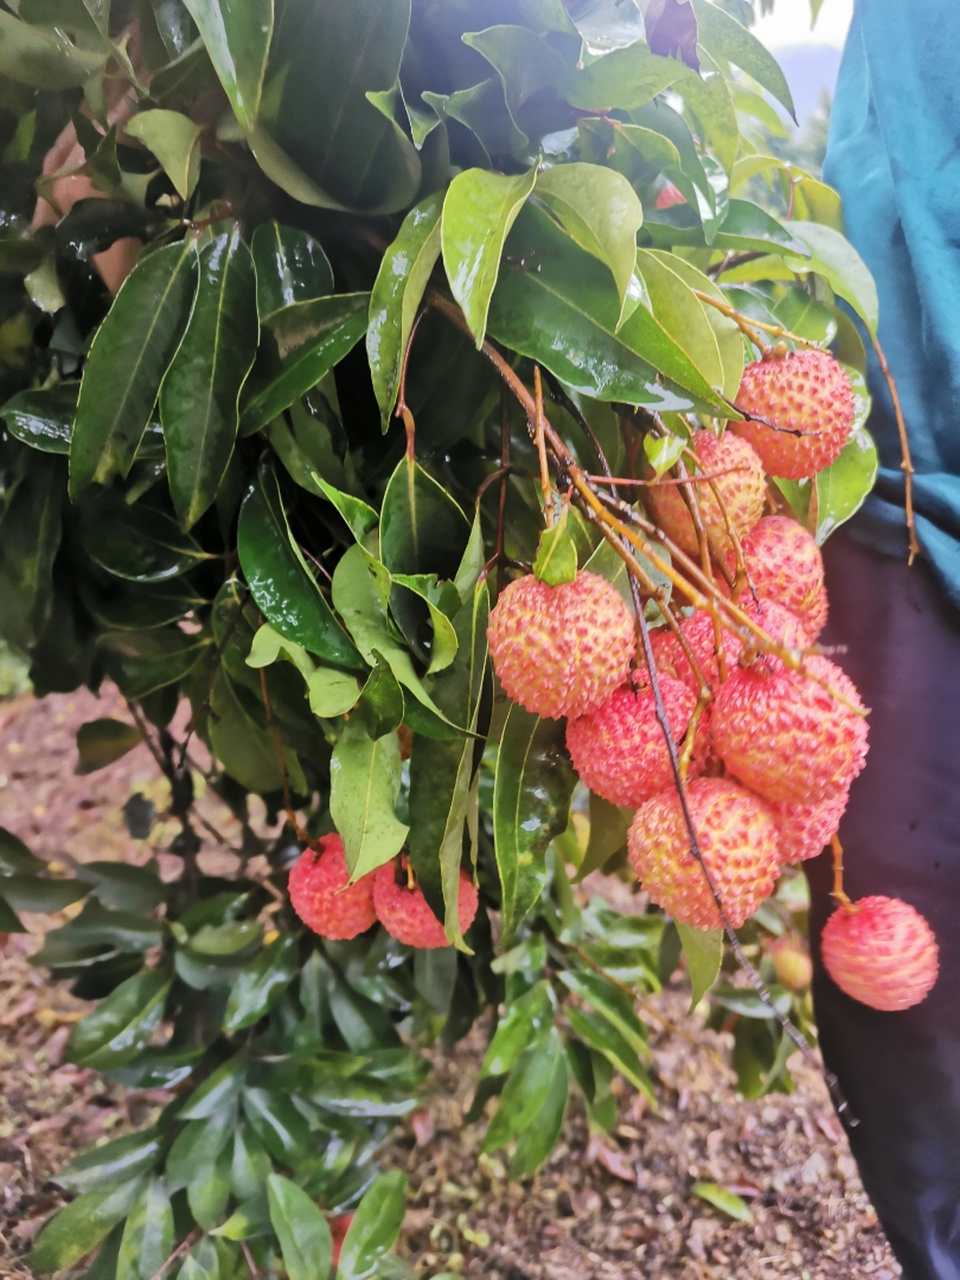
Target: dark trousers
x: 900, y: 1072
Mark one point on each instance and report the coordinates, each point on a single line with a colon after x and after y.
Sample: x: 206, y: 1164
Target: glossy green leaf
x: 237, y: 37
x: 117, y: 884
x: 703, y: 951
x: 531, y: 805
x: 80, y: 1226
x: 834, y: 257
x: 122, y: 930
x: 30, y: 893
x: 100, y: 742
x: 625, y: 78
x: 426, y: 588
x: 602, y: 1036
x: 208, y: 1193
x: 261, y: 984
x: 525, y: 1020
x: 174, y: 139
x: 710, y: 101
x: 538, y: 1138
x: 30, y: 532
x: 611, y: 1003
x: 364, y: 787
x: 121, y: 1160
x: 843, y: 487
x: 727, y: 1202
x: 121, y: 1024
x: 197, y: 1147
x: 598, y: 208
x: 216, y: 1092
x: 310, y: 339
x: 280, y: 581
x: 148, y: 1234
x: 396, y: 297
x: 250, y: 1166
x: 478, y: 211
x: 375, y: 1228
x: 301, y: 1228
x: 43, y: 419
x: 93, y: 225
x: 200, y: 393
x: 44, y: 59
x: 526, y: 1091
x: 720, y: 34
x: 422, y: 528
x: 277, y: 1123
x: 332, y: 693
x: 128, y: 358
x: 358, y: 515
x: 139, y: 544
x: 291, y: 267
x: 556, y: 559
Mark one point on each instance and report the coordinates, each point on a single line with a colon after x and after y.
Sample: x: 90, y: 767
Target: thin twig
x: 403, y: 409
x: 906, y: 463
x: 186, y: 1243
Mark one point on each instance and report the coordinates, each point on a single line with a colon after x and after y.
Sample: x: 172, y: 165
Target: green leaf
x: 610, y: 1003
x: 9, y: 920
x: 251, y: 1165
x: 30, y: 893
x: 626, y: 78
x: 139, y: 544
x: 720, y: 34
x: 30, y: 532
x: 663, y: 452
x: 15, y: 856
x: 147, y: 1236
x: 197, y: 1147
x: 598, y: 208
x: 122, y: 1024
x: 531, y: 805
x: 127, y: 361
x: 277, y: 1122
x: 538, y: 1138
x: 310, y: 338
x: 526, y: 1091
x: 44, y: 59
x: 261, y: 984
x: 556, y: 559
x: 291, y: 267
x: 101, y: 742
x: 216, y: 1092
x: 842, y: 488
x: 703, y: 951
x: 525, y: 1020
x: 122, y: 930
x: 237, y: 37
x: 280, y: 581
x: 174, y: 140
x: 726, y: 1201
x: 122, y: 1160
x: 43, y: 418
x: 117, y: 884
x: 422, y: 529
x: 602, y: 1036
x: 202, y: 1262
x: 375, y: 1228
x: 200, y: 392
x: 444, y: 643
x: 478, y: 211
x: 383, y: 701
x: 79, y: 1227
x: 726, y: 333
x: 364, y: 787
x: 710, y: 102
x: 332, y: 693
x: 140, y: 662
x: 834, y: 257
x: 396, y: 297
x: 358, y: 515
x: 244, y: 746
x: 301, y: 1228
x: 524, y: 62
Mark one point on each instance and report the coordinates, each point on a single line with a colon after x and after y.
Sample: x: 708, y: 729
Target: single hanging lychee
x: 806, y: 828
x: 791, y: 962
x: 882, y: 952
x: 787, y: 737
x: 738, y: 842
x: 619, y: 749
x: 561, y: 651
x: 405, y: 913
x: 323, y: 897
x: 731, y: 465
x: 784, y: 565
x: 806, y: 401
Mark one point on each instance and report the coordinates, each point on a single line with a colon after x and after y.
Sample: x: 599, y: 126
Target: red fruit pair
x: 326, y: 901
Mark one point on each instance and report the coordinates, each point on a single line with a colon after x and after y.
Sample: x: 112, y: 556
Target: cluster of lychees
x: 326, y: 901
x: 776, y: 748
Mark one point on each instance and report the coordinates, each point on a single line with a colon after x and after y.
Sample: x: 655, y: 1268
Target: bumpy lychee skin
x: 738, y: 840
x: 785, y: 736
x: 732, y: 465
x: 561, y: 651
x: 699, y: 635
x: 784, y: 565
x: 805, y: 829
x: 619, y: 750
x: 882, y: 952
x: 405, y: 913
x: 322, y: 896
x: 805, y: 391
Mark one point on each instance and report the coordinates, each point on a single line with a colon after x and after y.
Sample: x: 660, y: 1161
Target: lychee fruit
x: 737, y: 473
x: 619, y: 750
x: 807, y: 828
x: 791, y: 962
x: 787, y: 737
x: 784, y: 565
x: 561, y: 651
x: 804, y: 392
x: 882, y: 952
x: 668, y: 196
x: 405, y: 913
x: 700, y: 636
x: 323, y: 897
x: 738, y: 841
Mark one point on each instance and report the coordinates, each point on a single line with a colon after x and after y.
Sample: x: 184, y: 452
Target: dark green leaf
x: 364, y: 787
x: 92, y: 225
x: 121, y: 930
x: 611, y: 1003
x: 703, y: 951
x: 216, y: 1092
x: 261, y: 983
x: 237, y: 37
x: 602, y: 1036
x: 127, y: 361
x: 122, y: 1023
x: 251, y: 1165
x: 44, y: 59
x: 30, y: 530
x: 101, y: 742
x: 30, y: 893
x: 43, y: 419
x: 117, y: 884
x: 15, y: 856
x: 525, y: 1020
x: 200, y: 393
x: 526, y: 1090
x: 157, y: 1069
x: 198, y: 1146
x: 9, y: 920
x: 121, y: 1160
x: 375, y: 1227
x: 842, y: 487
x: 141, y: 662
x: 722, y: 35
x: 537, y: 1139
x: 277, y: 1122
x: 301, y: 1229
x: 383, y: 701
x: 422, y: 529
x: 291, y: 268
x: 81, y: 1225
x: 148, y: 1234
x: 139, y: 544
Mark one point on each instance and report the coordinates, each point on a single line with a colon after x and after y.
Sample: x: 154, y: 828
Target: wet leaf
x: 237, y: 37
x: 291, y: 267
x: 364, y: 787
x: 121, y: 1024
x: 301, y: 1228
x: 375, y: 1227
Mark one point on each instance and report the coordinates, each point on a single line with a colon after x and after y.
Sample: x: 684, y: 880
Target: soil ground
x: 621, y: 1207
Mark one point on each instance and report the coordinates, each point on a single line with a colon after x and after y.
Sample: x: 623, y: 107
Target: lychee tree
x: 434, y: 302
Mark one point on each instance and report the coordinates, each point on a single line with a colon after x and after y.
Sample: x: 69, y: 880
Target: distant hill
x: 809, y: 70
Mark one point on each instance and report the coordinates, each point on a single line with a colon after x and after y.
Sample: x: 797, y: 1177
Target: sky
x: 789, y: 24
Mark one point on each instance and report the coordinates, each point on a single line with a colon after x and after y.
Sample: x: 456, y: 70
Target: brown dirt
x: 619, y: 1207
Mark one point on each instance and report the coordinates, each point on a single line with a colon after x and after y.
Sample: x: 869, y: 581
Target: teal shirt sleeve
x: 894, y: 156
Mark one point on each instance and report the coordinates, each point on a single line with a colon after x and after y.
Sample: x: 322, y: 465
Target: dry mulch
x: 620, y: 1206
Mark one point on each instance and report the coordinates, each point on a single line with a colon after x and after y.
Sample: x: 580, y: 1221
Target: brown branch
x: 403, y: 409
x: 186, y: 1243
x: 906, y: 463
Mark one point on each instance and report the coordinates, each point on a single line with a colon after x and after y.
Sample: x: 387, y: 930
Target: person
x: 894, y: 156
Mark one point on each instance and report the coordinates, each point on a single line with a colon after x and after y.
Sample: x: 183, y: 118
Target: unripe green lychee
x: 733, y: 467
x: 784, y: 565
x: 322, y: 896
x: 561, y: 651
x: 405, y: 913
x: 806, y: 392
x: 791, y: 962
x: 738, y: 841
x: 882, y: 952
x: 619, y: 749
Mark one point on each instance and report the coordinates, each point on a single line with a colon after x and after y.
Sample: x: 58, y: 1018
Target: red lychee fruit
x: 619, y: 750
x: 668, y: 196
x: 561, y: 651
x: 807, y: 828
x: 700, y: 636
x: 339, y: 1225
x: 738, y: 841
x: 322, y: 896
x: 406, y: 914
x: 784, y: 565
x: 785, y: 736
x: 791, y: 962
x: 804, y: 391
x: 738, y: 476
x: 882, y: 952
